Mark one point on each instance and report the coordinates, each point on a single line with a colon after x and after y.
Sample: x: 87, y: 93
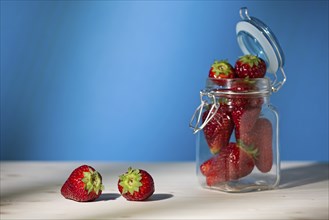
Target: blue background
x: 119, y: 80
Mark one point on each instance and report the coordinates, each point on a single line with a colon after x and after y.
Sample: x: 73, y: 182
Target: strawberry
x: 243, y: 85
x: 221, y: 70
x: 233, y: 162
x: 218, y: 130
x: 136, y: 185
x: 255, y: 102
x: 240, y: 97
x: 233, y: 102
x: 83, y: 185
x: 240, y: 102
x: 250, y: 66
x: 245, y: 118
x: 261, y: 138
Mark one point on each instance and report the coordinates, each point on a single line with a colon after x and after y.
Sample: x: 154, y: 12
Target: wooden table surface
x: 31, y: 190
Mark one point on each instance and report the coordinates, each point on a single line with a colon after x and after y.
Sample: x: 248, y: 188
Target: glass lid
x: 256, y: 38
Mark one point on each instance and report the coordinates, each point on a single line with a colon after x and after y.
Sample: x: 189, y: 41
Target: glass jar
x: 237, y: 140
x: 236, y: 126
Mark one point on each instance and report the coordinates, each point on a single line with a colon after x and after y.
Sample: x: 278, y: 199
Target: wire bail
x: 277, y: 85
x: 198, y: 112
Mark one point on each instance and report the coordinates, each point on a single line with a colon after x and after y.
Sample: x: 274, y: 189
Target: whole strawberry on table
x: 240, y: 113
x: 83, y: 185
x: 136, y: 185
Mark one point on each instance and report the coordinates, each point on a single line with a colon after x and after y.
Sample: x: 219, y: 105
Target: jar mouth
x: 239, y: 85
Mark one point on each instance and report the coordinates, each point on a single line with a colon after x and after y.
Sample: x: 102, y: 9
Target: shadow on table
x: 160, y: 196
x: 114, y: 196
x: 108, y: 196
x: 298, y: 176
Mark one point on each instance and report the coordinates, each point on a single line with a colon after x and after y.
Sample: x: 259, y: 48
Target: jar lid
x: 256, y: 38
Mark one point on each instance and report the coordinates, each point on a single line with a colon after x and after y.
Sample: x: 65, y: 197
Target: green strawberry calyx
x: 223, y: 101
x: 248, y: 80
x: 251, y: 60
x: 249, y: 149
x: 130, y: 181
x: 221, y: 67
x: 93, y: 181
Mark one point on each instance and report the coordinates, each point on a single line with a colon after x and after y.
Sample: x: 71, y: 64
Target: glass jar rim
x: 245, y: 86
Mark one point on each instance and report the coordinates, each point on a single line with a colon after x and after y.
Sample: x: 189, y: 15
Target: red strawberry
x: 239, y: 102
x: 218, y: 130
x: 243, y: 85
x: 83, y: 185
x: 233, y: 162
x: 250, y: 66
x: 255, y: 102
x: 245, y: 118
x: 233, y: 102
x: 136, y: 185
x: 261, y: 138
x: 240, y: 97
x: 221, y: 70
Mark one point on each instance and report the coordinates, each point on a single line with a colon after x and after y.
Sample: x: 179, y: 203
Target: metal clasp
x: 244, y: 13
x: 277, y: 85
x: 198, y: 112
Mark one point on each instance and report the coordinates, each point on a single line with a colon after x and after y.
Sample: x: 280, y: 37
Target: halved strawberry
x: 221, y: 70
x: 218, y: 130
x: 250, y: 66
